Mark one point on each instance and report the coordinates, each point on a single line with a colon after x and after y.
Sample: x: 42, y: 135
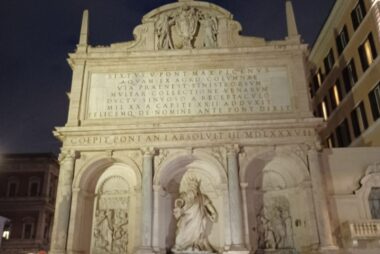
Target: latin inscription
x: 213, y: 136
x: 188, y: 93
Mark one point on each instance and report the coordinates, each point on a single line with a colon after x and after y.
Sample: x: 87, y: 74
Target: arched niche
x: 168, y: 179
x: 95, y: 178
x: 369, y: 183
x: 278, y: 199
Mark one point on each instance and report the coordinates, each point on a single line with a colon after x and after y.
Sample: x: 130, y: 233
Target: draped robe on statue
x: 193, y: 210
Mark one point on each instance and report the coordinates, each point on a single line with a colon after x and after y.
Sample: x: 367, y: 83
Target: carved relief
x: 163, y: 154
x: 110, y: 231
x: 134, y: 155
x: 185, y: 28
x: 275, y: 225
x: 220, y: 155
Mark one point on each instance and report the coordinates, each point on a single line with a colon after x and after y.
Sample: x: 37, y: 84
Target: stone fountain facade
x: 190, y: 98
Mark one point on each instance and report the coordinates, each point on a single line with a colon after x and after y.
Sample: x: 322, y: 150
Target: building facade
x: 195, y: 139
x: 344, y: 83
x: 28, y: 185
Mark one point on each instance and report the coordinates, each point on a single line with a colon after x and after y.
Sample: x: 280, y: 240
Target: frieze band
x: 137, y: 139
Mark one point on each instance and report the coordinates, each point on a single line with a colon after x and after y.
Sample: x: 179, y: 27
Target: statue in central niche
x: 193, y: 211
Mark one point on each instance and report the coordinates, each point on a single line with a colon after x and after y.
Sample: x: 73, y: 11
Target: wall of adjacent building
x: 339, y: 17
x: 350, y: 174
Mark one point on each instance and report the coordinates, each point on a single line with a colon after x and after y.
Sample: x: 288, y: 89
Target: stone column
x: 320, y: 202
x: 244, y: 187
x: 147, y: 201
x: 63, y: 203
x: 236, y: 214
x: 156, y: 208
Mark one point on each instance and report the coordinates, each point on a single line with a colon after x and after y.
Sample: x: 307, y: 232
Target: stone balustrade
x: 365, y: 229
x: 355, y: 231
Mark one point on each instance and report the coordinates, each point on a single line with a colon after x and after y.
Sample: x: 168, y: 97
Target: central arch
x: 213, y: 183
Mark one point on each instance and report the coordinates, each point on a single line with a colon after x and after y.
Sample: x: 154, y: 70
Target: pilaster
x: 320, y: 202
x: 147, y: 201
x: 236, y: 213
x: 63, y: 202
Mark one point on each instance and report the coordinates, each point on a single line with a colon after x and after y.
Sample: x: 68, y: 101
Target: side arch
x: 98, y: 164
x: 278, y: 180
x: 84, y: 195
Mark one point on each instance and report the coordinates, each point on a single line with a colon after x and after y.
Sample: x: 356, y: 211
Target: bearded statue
x: 193, y: 211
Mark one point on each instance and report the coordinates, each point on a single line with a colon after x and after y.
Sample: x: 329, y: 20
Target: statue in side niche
x: 275, y: 230
x: 193, y: 211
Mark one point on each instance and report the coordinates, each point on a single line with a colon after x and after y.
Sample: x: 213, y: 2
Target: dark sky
x: 37, y: 35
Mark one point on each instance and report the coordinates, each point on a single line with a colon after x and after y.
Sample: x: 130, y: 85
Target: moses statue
x: 193, y: 211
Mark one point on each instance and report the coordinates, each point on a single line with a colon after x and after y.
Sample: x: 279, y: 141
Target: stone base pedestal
x: 144, y: 250
x: 192, y: 252
x: 237, y: 250
x: 281, y: 251
x: 328, y: 248
x: 57, y: 252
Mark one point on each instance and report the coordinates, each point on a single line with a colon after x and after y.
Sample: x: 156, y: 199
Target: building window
x: 343, y: 134
x: 342, y: 40
x: 325, y: 113
x: 7, y: 231
x: 358, y: 14
x: 335, y: 95
x: 329, y: 61
x: 359, y: 120
x: 367, y: 52
x: 34, y: 187
x: 349, y: 76
x: 12, y: 188
x: 28, y: 228
x: 374, y: 203
x: 374, y: 98
x: 330, y: 142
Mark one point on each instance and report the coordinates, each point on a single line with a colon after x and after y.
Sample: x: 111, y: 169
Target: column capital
x: 243, y: 185
x: 233, y: 149
x: 67, y: 155
x: 317, y: 145
x: 149, y: 151
x: 157, y: 187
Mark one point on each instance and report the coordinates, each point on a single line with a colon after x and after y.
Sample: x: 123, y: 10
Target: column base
x: 57, y: 252
x: 145, y: 250
x: 328, y: 248
x: 237, y: 249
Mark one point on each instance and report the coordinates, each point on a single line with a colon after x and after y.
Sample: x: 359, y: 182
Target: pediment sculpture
x: 188, y: 25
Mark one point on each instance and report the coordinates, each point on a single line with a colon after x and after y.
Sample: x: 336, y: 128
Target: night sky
x: 37, y: 35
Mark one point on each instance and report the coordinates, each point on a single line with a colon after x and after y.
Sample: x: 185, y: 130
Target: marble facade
x: 191, y: 97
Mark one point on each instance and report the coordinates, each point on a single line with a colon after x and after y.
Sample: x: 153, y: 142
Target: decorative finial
x: 83, y: 39
x: 291, y: 21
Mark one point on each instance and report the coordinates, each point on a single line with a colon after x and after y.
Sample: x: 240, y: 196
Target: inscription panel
x: 188, y: 93
x: 197, y: 137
